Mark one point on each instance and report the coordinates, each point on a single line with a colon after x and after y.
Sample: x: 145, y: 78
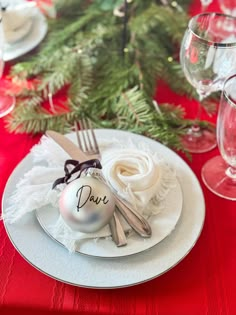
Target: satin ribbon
x: 77, y: 167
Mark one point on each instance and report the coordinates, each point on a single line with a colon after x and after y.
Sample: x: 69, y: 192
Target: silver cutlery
x: 88, y: 144
x: 133, y: 218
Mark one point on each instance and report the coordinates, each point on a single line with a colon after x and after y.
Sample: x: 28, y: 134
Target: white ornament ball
x: 86, y: 204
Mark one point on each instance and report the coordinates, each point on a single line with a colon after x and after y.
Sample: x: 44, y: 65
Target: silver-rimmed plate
x: 52, y: 259
x: 30, y: 40
x: 162, y: 224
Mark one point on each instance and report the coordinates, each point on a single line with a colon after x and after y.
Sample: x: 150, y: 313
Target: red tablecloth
x: 203, y: 283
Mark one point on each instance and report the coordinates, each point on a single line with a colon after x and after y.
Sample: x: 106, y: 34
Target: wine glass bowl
x: 228, y: 6
x: 219, y: 173
x: 207, y: 57
x: 7, y: 103
x: 227, y: 123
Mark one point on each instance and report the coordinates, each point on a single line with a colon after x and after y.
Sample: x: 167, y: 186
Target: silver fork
x: 88, y: 144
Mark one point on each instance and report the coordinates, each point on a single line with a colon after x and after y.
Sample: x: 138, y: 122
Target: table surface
x: 203, y: 283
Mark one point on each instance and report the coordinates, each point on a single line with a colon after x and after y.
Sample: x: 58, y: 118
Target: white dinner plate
x: 162, y: 224
x: 54, y: 260
x: 30, y: 41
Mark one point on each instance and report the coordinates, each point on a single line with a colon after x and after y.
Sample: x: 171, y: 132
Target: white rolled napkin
x: 134, y: 172
x: 138, y: 176
x: 17, y: 20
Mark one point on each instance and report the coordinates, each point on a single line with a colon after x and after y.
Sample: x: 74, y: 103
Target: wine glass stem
x: 195, y: 129
x: 231, y: 172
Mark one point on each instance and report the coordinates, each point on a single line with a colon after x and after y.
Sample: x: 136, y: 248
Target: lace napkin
x: 17, y: 20
x: 136, y: 173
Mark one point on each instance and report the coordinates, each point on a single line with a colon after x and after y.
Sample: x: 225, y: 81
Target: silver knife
x: 117, y: 232
x: 133, y: 218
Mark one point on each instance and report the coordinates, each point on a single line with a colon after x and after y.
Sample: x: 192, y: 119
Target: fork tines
x: 86, y: 137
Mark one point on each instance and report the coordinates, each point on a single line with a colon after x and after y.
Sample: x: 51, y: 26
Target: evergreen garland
x: 108, y: 66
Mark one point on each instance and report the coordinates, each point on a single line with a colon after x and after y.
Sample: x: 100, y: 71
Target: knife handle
x: 117, y: 231
x: 134, y: 219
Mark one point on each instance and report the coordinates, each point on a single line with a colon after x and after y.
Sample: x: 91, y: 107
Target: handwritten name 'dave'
x: 85, y: 194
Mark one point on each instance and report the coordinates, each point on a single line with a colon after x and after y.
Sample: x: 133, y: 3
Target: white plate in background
x: 30, y: 40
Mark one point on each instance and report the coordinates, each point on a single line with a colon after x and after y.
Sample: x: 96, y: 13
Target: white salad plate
x: 162, y: 224
x: 51, y: 258
x: 31, y: 40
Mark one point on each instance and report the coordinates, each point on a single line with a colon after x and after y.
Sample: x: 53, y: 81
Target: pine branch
x: 32, y: 102
x: 174, y: 76
x: 70, y: 7
x: 82, y: 83
x: 162, y: 18
x: 35, y: 121
x: 131, y: 109
x: 82, y: 52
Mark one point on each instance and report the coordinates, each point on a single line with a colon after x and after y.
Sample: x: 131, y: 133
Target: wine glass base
x: 200, y: 142
x: 216, y: 180
x: 7, y: 103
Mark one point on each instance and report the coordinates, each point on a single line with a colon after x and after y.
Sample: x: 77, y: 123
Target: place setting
x: 163, y: 221
x: 102, y: 201
x: 118, y: 168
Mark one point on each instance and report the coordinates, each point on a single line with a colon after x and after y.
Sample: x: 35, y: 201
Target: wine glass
x: 7, y: 102
x: 228, y: 6
x: 207, y: 56
x: 219, y: 173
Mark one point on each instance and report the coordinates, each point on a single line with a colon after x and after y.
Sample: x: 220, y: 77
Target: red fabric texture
x: 204, y: 283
